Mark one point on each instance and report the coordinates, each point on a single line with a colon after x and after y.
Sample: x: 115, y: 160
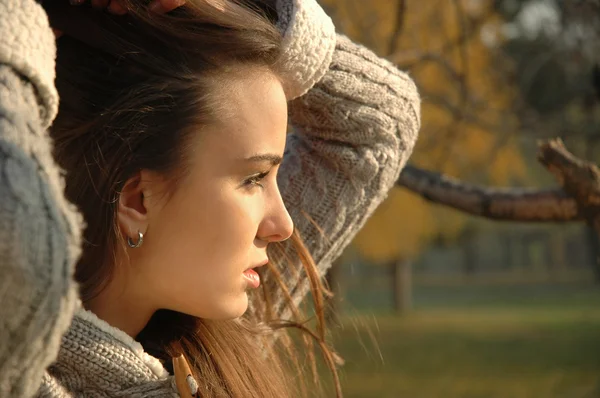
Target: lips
x: 262, y: 263
x: 252, y: 277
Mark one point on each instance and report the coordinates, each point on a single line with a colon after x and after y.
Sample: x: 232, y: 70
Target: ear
x: 134, y: 207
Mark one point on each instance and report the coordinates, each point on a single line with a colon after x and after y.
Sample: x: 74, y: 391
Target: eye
x: 255, y: 180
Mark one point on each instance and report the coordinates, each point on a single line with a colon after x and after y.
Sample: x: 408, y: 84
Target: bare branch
x: 462, y: 79
x: 579, y: 178
x: 510, y: 204
x: 578, y: 200
x: 400, y: 12
x: 467, y: 116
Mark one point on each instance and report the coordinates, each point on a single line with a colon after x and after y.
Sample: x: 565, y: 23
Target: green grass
x: 502, y: 346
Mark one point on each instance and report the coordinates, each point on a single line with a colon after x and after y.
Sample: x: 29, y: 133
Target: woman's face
x: 217, y: 222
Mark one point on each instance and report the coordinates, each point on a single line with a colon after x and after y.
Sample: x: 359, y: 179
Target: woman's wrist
x: 308, y: 43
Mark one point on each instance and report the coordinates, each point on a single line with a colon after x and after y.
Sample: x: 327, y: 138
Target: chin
x: 241, y: 307
x: 229, y: 309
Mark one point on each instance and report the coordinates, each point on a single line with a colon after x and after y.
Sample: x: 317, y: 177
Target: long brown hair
x: 132, y: 91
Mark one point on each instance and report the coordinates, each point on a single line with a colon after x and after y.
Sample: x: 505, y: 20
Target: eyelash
x: 255, y: 180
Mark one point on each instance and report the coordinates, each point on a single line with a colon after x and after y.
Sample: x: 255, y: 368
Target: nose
x: 277, y: 225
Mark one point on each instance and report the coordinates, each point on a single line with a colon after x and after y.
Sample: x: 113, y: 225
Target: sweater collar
x: 95, y: 356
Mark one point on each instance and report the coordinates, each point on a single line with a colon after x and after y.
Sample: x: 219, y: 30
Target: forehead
x: 254, y: 118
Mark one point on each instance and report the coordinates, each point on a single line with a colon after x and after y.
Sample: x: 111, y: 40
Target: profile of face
x: 203, y: 234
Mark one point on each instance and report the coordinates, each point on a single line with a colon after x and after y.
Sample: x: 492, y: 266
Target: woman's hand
x: 116, y: 7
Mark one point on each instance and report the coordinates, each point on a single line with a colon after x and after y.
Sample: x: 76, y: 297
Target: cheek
x: 216, y: 227
x: 207, y: 243
x: 228, y: 222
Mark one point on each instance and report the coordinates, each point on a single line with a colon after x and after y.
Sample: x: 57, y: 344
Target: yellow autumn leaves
x: 467, y: 130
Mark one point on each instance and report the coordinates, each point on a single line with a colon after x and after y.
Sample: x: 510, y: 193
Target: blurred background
x: 480, y: 274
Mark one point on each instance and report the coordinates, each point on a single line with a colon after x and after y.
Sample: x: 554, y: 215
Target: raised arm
x: 39, y: 231
x: 353, y: 132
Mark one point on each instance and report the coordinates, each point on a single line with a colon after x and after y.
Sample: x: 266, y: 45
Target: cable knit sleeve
x: 352, y: 134
x: 39, y: 231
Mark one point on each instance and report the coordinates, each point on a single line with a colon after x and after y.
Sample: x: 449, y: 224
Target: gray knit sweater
x: 355, y: 120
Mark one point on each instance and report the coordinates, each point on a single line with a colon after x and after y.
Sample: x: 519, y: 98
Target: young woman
x: 173, y: 137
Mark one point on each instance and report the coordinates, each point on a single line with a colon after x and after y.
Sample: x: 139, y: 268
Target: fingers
x: 115, y: 7
x: 163, y: 6
x: 100, y: 4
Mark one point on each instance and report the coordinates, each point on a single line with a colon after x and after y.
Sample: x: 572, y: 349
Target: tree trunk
x: 402, y: 285
x: 558, y: 255
x: 470, y: 253
x: 594, y: 243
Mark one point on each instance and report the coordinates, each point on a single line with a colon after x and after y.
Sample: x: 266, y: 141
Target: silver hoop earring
x: 138, y: 243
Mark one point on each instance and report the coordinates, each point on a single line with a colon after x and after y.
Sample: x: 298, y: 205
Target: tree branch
x: 579, y: 178
x: 577, y: 200
x: 398, y: 26
x: 510, y: 204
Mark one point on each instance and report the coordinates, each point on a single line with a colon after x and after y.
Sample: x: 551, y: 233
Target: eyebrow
x: 267, y: 157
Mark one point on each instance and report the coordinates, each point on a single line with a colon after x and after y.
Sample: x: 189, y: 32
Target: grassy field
x: 477, y: 342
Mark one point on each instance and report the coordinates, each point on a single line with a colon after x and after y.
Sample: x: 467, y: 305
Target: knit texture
x: 39, y: 230
x: 97, y: 360
x: 308, y: 42
x: 353, y: 133
x: 28, y: 48
x: 354, y: 126
x: 37, y: 293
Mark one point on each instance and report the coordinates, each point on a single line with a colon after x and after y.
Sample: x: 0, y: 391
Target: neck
x: 121, y: 308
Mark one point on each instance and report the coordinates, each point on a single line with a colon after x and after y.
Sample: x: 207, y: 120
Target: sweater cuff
x: 308, y: 43
x: 28, y: 46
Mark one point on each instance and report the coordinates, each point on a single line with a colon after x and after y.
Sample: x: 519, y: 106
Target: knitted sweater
x: 355, y: 121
